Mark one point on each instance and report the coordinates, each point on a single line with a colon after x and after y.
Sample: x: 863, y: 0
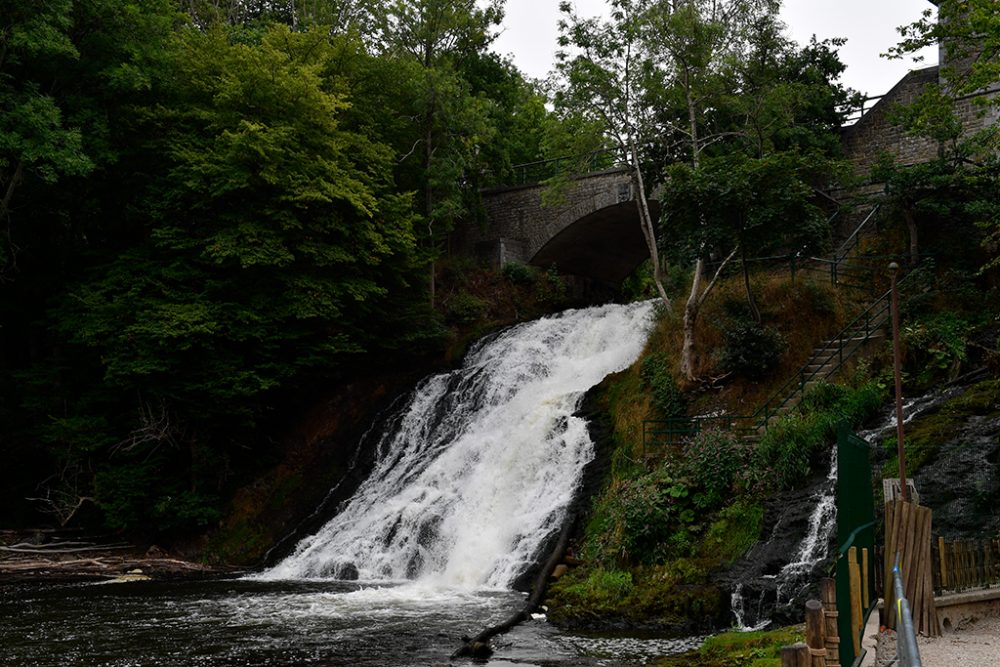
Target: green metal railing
x: 820, y: 367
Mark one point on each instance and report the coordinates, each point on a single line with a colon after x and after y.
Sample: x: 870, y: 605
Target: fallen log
x: 39, y: 549
x: 479, y: 646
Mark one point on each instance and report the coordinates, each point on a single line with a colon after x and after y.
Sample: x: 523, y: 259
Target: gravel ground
x: 976, y: 644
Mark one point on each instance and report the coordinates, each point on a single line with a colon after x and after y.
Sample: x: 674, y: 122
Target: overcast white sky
x: 529, y: 34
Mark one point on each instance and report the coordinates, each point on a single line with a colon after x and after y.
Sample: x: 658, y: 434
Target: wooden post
x: 988, y: 563
x: 852, y: 563
x: 864, y: 579
x: 830, y: 634
x: 796, y: 655
x: 942, y: 560
x: 815, y: 633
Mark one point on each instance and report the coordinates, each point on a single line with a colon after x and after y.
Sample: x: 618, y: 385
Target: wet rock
x: 962, y: 484
x: 348, y: 572
x: 761, y: 593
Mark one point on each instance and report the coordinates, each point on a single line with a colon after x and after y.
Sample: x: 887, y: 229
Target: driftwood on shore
x: 479, y: 646
x: 63, y: 548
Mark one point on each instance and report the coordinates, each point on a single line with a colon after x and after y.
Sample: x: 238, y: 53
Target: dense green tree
x: 747, y: 206
x: 959, y: 186
x: 605, y: 78
x: 450, y: 122
x: 969, y: 33
x: 36, y: 141
x: 269, y: 245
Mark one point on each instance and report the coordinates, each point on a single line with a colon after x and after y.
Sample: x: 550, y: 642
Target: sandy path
x: 976, y: 644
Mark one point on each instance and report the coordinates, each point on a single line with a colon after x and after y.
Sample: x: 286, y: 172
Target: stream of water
x: 474, y: 477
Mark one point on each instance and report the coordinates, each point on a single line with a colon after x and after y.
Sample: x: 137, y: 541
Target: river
x: 473, y: 478
x: 250, y: 623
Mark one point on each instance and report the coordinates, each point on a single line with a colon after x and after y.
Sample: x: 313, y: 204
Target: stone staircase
x: 827, y: 360
x: 829, y: 356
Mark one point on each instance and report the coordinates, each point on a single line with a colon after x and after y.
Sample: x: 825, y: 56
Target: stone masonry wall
x: 873, y: 134
x: 519, y: 225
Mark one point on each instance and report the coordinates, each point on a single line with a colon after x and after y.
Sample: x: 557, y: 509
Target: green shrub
x: 641, y: 520
x: 936, y: 347
x: 668, y: 401
x: 518, y: 274
x: 789, y: 451
x: 550, y: 288
x: 464, y: 309
x: 751, y: 350
x: 712, y: 459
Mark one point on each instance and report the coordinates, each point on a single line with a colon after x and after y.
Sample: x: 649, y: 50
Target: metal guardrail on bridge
x: 531, y: 173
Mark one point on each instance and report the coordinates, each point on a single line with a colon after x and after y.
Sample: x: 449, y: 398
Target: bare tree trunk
x: 9, y: 195
x: 646, y: 223
x: 751, y: 302
x: 429, y: 196
x: 694, y: 303
x: 690, y: 317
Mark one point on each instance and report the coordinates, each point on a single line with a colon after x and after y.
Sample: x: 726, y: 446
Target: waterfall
x: 480, y: 467
x: 765, y: 589
x: 814, y: 547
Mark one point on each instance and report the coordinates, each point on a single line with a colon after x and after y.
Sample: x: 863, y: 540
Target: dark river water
x: 242, y: 622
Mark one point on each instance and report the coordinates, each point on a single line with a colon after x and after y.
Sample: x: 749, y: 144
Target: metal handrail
x: 539, y: 170
x: 840, y: 349
x: 906, y: 637
x: 852, y: 241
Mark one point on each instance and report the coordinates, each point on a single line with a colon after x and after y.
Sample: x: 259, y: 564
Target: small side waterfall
x: 776, y: 589
x: 479, y: 468
x: 753, y: 602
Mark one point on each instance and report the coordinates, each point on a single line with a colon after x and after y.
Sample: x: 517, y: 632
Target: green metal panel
x: 855, y: 527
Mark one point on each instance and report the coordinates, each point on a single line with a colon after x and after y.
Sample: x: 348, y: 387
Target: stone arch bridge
x: 594, y: 232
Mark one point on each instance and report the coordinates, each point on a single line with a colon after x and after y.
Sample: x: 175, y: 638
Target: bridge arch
x: 593, y: 233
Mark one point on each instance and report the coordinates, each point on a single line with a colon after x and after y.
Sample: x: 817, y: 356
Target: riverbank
x: 121, y: 563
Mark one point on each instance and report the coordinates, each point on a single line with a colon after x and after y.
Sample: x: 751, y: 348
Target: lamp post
x: 900, y: 449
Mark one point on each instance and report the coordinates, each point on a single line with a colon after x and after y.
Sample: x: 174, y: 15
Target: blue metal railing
x: 907, y: 652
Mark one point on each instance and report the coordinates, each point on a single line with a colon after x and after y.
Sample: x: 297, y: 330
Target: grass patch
x: 738, y: 649
x: 674, y: 597
x: 734, y: 531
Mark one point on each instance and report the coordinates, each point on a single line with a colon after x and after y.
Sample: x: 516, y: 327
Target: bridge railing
x: 529, y: 173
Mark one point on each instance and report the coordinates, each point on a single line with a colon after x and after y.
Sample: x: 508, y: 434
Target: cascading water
x: 483, y: 462
x: 775, y: 592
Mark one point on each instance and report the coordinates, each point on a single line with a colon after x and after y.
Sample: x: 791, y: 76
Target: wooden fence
x: 908, y: 534
x: 964, y: 565
x: 822, y: 645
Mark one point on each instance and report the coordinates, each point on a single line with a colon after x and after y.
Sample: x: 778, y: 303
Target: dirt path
x: 977, y: 643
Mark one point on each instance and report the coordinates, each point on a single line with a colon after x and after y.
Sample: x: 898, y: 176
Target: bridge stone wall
x: 518, y: 225
x: 874, y: 134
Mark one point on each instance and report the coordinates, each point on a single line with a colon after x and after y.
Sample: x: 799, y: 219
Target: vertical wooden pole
x: 988, y: 563
x: 942, y: 558
x: 815, y: 633
x: 852, y: 563
x: 830, y: 635
x: 864, y: 579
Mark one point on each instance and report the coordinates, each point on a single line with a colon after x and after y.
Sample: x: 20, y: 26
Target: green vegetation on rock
x: 738, y: 649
